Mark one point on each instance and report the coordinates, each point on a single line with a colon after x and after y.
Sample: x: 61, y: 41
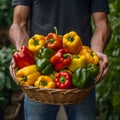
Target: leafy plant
x: 108, y: 91
x: 7, y: 86
x: 5, y: 12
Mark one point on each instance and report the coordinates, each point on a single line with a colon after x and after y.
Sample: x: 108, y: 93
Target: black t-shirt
x: 66, y: 15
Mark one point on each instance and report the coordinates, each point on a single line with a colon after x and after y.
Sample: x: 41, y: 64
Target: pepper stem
x: 56, y: 31
x: 71, y: 39
x: 77, y: 56
x: 35, y: 42
x: 15, y: 50
x: 67, y: 55
x: 91, y: 53
x: 24, y: 78
x: 43, y: 83
x: 62, y: 79
x: 51, y: 40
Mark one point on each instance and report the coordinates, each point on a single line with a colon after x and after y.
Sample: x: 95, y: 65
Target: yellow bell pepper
x: 91, y: 56
x: 86, y: 47
x: 36, y: 42
x: 78, y: 61
x: 72, y: 42
x: 44, y: 82
x: 27, y: 75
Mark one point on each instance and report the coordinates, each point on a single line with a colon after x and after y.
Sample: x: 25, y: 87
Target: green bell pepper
x: 45, y: 52
x: 94, y: 69
x: 82, y: 78
x: 44, y: 66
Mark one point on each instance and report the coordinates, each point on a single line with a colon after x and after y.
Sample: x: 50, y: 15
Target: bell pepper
x: 86, y: 47
x: 66, y: 70
x: 82, y: 78
x: 44, y: 66
x: 63, y: 80
x: 61, y: 59
x: 36, y: 42
x: 53, y: 40
x: 77, y: 61
x: 53, y: 74
x: 72, y: 42
x: 94, y: 69
x: 27, y: 75
x: 23, y: 58
x: 91, y: 56
x: 45, y: 52
x: 44, y: 82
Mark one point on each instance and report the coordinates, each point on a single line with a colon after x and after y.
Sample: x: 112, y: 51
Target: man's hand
x: 105, y: 61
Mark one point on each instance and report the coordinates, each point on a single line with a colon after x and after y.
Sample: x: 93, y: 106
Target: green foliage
x: 108, y: 91
x: 114, y: 18
x: 7, y: 86
x: 5, y: 12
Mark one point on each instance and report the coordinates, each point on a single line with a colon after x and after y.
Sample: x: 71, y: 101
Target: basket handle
x: 12, y: 68
x: 98, y: 78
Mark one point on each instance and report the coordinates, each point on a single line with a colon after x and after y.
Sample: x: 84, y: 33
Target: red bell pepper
x: 53, y: 41
x: 63, y: 80
x: 61, y: 59
x: 23, y: 58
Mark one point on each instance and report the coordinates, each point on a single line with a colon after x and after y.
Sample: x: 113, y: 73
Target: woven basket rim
x: 51, y: 92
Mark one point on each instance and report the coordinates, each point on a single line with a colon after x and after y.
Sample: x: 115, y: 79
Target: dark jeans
x: 84, y: 110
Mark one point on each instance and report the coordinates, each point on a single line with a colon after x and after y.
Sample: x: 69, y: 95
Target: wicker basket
x: 58, y: 96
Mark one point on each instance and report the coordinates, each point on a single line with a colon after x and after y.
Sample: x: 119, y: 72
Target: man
x: 39, y: 16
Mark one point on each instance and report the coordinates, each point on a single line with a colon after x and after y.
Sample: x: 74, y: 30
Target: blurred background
x: 108, y: 91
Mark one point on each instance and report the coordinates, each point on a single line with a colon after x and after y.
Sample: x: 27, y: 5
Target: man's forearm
x: 18, y: 35
x: 101, y: 35
x: 100, y: 39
